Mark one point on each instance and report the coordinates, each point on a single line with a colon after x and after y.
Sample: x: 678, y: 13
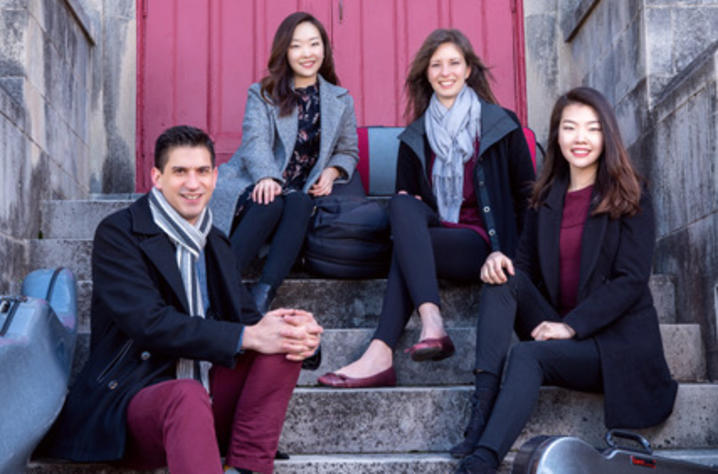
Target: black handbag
x: 348, y: 237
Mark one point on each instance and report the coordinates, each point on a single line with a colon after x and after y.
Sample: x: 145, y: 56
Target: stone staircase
x: 411, y: 427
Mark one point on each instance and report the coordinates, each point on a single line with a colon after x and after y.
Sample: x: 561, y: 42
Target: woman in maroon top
x: 577, y: 293
x: 464, y: 175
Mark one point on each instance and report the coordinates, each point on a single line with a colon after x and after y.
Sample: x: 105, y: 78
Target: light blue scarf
x: 452, y: 134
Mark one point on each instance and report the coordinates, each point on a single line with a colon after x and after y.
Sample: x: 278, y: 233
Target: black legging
x: 423, y: 251
x: 286, y: 218
x: 566, y: 363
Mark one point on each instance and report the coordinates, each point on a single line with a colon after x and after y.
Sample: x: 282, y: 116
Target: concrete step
x: 336, y: 303
x: 682, y: 344
x: 76, y: 219
x: 300, y: 464
x: 431, y: 419
x: 415, y: 463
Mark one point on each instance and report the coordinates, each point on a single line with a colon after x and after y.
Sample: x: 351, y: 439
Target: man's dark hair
x: 181, y: 135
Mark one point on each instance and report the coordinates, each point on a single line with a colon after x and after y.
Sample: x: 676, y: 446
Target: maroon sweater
x: 469, y: 215
x: 575, y: 212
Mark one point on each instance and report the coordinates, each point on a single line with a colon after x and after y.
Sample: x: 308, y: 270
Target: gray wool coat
x: 268, y: 142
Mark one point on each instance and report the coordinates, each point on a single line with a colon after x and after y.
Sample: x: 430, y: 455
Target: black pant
x: 285, y: 220
x: 423, y: 251
x: 566, y: 363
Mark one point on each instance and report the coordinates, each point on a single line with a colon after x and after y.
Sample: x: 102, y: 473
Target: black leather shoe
x: 313, y: 361
x: 263, y: 294
x: 281, y: 455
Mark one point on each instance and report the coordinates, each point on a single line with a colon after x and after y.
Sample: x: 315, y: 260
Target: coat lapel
x: 219, y: 272
x: 158, y: 248
x: 591, y: 240
x: 549, y: 233
x: 331, y: 110
x: 287, y: 131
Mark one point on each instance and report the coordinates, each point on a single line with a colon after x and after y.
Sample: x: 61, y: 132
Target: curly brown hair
x: 618, y: 185
x: 276, y: 87
x: 417, y: 87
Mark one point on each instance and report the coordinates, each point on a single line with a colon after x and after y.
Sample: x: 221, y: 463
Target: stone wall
x: 67, y: 111
x: 655, y: 61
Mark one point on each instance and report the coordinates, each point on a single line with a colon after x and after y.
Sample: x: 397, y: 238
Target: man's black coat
x: 140, y: 327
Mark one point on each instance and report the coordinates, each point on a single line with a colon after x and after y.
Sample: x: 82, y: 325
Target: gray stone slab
x: 335, y: 303
x: 72, y: 254
x: 299, y: 464
x: 76, y: 219
x: 395, y: 420
x: 682, y: 344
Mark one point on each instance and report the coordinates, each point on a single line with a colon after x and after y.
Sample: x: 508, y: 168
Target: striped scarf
x: 189, y: 241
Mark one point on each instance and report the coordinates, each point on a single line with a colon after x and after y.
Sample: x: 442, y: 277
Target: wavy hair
x: 618, y: 185
x: 417, y: 87
x: 276, y: 87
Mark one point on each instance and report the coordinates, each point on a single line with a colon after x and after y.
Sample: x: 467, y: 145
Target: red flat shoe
x: 386, y: 378
x: 431, y: 349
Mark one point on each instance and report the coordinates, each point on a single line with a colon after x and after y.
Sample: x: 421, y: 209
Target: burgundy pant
x: 175, y: 424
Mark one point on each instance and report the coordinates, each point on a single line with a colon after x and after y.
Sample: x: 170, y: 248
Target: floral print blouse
x: 306, y: 148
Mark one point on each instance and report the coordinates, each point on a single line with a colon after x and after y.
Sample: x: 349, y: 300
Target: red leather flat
x: 386, y: 378
x: 431, y: 349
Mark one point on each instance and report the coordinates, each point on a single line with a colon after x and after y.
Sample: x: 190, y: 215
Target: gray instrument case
x: 570, y: 455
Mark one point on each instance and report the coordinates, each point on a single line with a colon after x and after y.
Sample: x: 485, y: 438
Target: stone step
x: 681, y: 342
x: 340, y: 303
x: 76, y: 219
x: 416, y: 463
x: 431, y: 419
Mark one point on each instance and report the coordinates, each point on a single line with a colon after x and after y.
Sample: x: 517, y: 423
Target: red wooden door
x: 196, y: 58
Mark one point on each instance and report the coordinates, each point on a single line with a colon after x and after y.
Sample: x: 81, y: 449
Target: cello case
x: 570, y: 455
x: 37, y: 341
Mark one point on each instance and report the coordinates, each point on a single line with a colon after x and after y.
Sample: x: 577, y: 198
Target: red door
x: 196, y: 58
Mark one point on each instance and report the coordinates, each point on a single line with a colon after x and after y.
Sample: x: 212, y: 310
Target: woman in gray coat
x: 298, y: 140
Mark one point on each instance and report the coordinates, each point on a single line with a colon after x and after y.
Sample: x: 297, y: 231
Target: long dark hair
x: 618, y: 185
x: 276, y: 87
x: 417, y: 87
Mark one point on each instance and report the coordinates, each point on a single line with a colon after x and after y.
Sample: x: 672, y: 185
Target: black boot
x: 474, y: 465
x: 482, y: 401
x: 263, y: 294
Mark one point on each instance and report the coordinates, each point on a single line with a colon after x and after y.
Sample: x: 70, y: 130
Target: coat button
x: 112, y: 385
x: 145, y: 355
x: 492, y: 232
x: 487, y: 208
x: 481, y: 183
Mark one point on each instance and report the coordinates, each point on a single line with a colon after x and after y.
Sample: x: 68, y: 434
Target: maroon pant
x: 175, y: 424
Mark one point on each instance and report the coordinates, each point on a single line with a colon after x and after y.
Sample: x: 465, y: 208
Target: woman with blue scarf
x: 464, y: 175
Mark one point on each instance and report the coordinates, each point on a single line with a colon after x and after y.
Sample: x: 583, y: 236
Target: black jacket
x: 502, y: 180
x: 614, y: 303
x: 140, y: 327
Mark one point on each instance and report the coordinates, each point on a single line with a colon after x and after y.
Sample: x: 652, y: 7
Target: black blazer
x: 504, y: 162
x: 140, y: 327
x: 614, y: 303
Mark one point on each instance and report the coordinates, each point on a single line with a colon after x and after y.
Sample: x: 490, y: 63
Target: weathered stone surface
x: 692, y: 255
x: 394, y: 420
x: 663, y: 290
x: 681, y: 342
x: 76, y: 219
x: 72, y: 254
x: 13, y: 255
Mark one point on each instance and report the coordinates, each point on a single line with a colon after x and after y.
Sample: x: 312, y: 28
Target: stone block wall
x: 655, y: 61
x: 64, y: 124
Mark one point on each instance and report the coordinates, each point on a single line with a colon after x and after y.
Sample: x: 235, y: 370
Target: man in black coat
x: 180, y: 363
